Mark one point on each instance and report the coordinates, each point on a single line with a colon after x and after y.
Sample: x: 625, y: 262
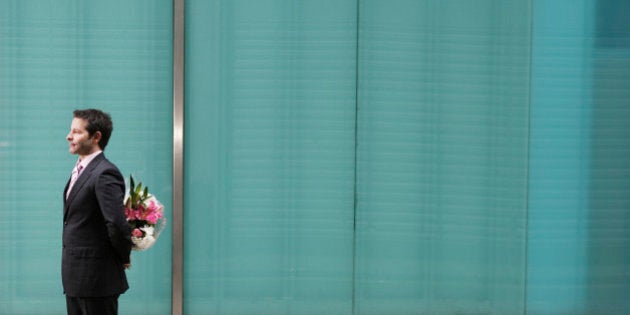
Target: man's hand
x: 127, y: 266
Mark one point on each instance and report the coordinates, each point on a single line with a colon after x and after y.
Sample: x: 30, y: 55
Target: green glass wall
x: 341, y: 157
x: 56, y: 56
x: 489, y: 156
x: 609, y: 215
x: 579, y: 241
x: 442, y: 157
x: 560, y: 146
x: 270, y: 157
x: 331, y: 167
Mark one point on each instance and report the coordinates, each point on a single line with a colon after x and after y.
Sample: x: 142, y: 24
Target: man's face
x: 79, y: 140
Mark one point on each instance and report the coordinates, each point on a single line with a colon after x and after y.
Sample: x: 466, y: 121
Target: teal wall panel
x: 56, y: 56
x: 442, y: 157
x: 560, y: 141
x: 609, y: 214
x: 341, y: 157
x: 578, y: 243
x: 270, y: 145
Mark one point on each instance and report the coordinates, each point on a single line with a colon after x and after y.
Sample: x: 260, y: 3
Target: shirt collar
x: 84, y: 163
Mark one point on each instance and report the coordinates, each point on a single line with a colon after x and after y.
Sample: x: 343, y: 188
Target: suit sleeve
x: 110, y: 193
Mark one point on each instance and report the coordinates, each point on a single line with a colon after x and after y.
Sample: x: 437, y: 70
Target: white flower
x: 143, y: 243
x: 148, y: 230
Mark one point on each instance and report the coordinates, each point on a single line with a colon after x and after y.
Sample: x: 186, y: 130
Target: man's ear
x: 96, y: 137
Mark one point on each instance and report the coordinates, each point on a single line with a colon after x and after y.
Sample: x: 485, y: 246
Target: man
x: 96, y: 236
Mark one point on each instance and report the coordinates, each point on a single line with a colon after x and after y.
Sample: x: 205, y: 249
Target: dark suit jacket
x: 96, y: 236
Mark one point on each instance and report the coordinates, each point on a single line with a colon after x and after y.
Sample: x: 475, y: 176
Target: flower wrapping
x: 145, y: 215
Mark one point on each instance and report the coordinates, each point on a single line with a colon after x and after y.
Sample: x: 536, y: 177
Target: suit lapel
x: 83, y: 178
x: 65, y: 192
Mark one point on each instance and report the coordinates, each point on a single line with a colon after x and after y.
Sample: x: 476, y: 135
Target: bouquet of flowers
x: 145, y: 214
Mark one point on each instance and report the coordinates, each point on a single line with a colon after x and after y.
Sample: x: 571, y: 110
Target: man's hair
x: 97, y: 120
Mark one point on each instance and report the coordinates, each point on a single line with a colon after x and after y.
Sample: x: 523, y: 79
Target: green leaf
x: 132, y: 192
x: 133, y: 185
x: 138, y: 189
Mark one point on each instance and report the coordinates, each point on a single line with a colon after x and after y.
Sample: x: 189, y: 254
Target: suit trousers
x: 106, y: 305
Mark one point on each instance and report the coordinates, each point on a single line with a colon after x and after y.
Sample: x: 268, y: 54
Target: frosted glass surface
x: 270, y: 150
x: 442, y: 157
x: 579, y: 241
x: 56, y: 56
x: 341, y: 157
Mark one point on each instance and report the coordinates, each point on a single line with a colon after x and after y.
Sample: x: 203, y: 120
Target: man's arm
x: 110, y: 193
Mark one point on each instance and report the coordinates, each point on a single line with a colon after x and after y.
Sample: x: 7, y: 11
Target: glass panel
x: 442, y: 157
x: 56, y: 56
x: 609, y: 215
x: 559, y: 157
x: 578, y: 245
x: 270, y: 130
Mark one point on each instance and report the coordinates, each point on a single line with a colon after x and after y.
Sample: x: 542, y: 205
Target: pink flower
x: 155, y: 205
x: 152, y: 206
x: 137, y: 233
x: 129, y: 214
x: 152, y: 217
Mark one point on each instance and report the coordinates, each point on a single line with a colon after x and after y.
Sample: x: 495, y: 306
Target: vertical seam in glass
x: 178, y: 159
x: 528, y: 160
x: 356, y: 168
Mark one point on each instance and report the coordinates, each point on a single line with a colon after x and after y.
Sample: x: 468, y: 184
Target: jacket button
x: 65, y: 222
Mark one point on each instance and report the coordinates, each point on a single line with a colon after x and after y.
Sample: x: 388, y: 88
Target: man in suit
x: 96, y: 236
